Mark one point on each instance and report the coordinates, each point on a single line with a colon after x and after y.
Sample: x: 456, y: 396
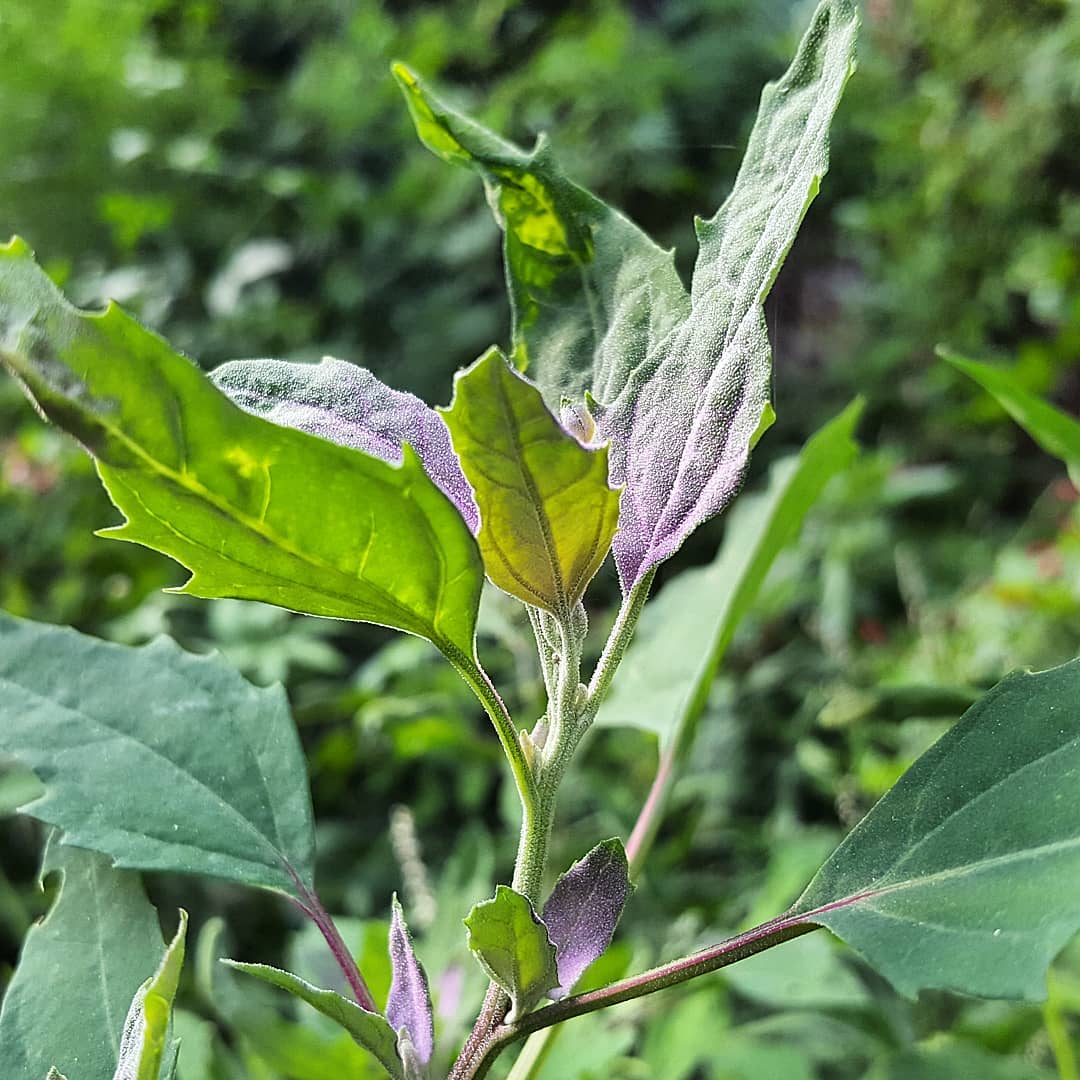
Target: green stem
x: 694, y: 966
x: 1058, y: 1031
x: 619, y: 640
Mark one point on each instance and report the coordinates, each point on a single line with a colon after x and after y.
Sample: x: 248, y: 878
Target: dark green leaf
x: 370, y: 1030
x: 512, y: 945
x: 966, y: 875
x: 78, y: 971
x: 254, y: 510
x: 1056, y: 432
x: 161, y: 759
x: 547, y: 513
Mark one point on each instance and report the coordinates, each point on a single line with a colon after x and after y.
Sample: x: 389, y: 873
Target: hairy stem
x: 762, y: 937
x: 619, y: 639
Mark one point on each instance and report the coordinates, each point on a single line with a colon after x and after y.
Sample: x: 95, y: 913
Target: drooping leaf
x: 349, y: 406
x: 966, y: 875
x: 149, y: 1018
x: 547, y: 513
x: 256, y: 511
x: 370, y: 1030
x: 512, y: 945
x: 583, y: 910
x: 408, y: 1005
x: 685, y: 631
x: 161, y: 759
x: 682, y: 382
x: 78, y: 970
x: 1056, y: 432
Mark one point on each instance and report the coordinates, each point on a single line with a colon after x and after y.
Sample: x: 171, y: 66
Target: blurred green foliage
x: 243, y: 176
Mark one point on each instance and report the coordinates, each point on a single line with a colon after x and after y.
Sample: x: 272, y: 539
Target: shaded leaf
x: 547, y: 513
x: 583, y: 910
x: 685, y: 631
x: 408, y: 1005
x: 256, y: 511
x: 370, y: 1030
x: 351, y: 407
x: 78, y: 970
x: 512, y: 945
x: 682, y: 381
x: 1055, y: 431
x: 149, y: 1019
x: 966, y: 875
x: 204, y: 772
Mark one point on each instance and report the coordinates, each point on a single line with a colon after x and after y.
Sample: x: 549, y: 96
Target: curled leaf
x: 408, y: 1006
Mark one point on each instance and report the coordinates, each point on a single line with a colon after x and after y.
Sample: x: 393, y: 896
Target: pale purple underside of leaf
x: 409, y: 1004
x: 583, y: 910
x: 348, y: 405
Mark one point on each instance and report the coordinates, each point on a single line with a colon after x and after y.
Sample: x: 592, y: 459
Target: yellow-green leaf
x: 547, y: 512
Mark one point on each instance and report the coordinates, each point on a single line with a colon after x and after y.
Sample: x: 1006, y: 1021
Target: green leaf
x: 161, y: 759
x: 966, y: 875
x: 683, y: 634
x: 370, y: 1030
x: 513, y: 947
x: 547, y: 513
x: 1055, y: 431
x: 256, y: 511
x: 146, y: 1030
x: 78, y: 970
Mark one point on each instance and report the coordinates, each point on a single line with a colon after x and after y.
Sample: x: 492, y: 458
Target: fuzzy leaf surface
x: 256, y: 511
x: 547, y: 512
x: 161, y: 759
x: 1055, y: 431
x: 966, y: 875
x: 146, y: 1029
x: 349, y: 406
x: 512, y: 945
x: 370, y: 1030
x: 685, y: 631
x: 408, y: 1005
x: 583, y: 910
x: 78, y: 970
x: 682, y: 382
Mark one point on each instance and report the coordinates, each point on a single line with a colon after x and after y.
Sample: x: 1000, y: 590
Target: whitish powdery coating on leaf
x: 409, y: 1005
x: 349, y: 406
x: 583, y: 910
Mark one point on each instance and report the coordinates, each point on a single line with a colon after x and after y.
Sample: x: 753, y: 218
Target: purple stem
x: 309, y: 903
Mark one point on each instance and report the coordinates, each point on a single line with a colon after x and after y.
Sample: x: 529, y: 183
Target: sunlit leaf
x: 583, y: 910
x: 512, y: 945
x: 203, y: 772
x: 1055, y: 431
x: 370, y: 1030
x: 681, y: 382
x: 78, y: 970
x: 547, y: 511
x: 256, y: 511
x: 966, y: 875
x: 146, y: 1029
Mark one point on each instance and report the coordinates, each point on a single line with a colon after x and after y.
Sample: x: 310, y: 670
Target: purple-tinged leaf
x: 409, y: 1003
x: 583, y: 910
x: 349, y: 406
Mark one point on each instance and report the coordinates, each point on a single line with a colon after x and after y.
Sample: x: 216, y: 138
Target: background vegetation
x: 244, y: 177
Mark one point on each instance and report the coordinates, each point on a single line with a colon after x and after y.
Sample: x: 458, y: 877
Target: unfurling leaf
x: 351, y: 407
x: 966, y: 875
x: 256, y: 511
x: 146, y: 1029
x: 408, y: 1007
x: 583, y: 910
x: 78, y: 970
x: 370, y: 1030
x: 682, y: 382
x: 1056, y: 432
x: 144, y: 723
x: 547, y: 512
x: 512, y: 945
